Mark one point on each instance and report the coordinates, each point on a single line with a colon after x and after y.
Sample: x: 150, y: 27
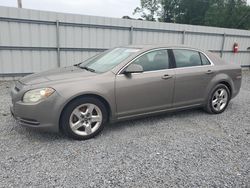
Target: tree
x: 149, y: 9
x: 170, y: 10
x: 126, y: 17
x: 244, y: 20
x: 193, y: 12
x: 219, y: 13
x: 229, y: 14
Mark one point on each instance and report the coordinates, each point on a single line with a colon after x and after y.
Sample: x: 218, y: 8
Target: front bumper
x: 43, y: 115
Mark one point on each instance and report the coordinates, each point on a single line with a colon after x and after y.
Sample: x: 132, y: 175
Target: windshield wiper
x: 86, y: 68
x: 77, y: 64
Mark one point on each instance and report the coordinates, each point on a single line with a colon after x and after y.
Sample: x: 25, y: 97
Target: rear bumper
x: 237, y: 85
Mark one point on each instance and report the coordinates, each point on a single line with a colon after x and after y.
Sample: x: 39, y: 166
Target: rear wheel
x: 218, y: 99
x: 83, y: 118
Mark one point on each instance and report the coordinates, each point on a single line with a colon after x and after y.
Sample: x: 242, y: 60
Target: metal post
x: 131, y: 35
x: 19, y: 3
x: 183, y: 37
x: 58, y: 43
x: 222, y: 45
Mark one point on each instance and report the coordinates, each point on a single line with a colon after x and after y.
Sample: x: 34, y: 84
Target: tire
x: 222, y: 102
x: 83, y: 118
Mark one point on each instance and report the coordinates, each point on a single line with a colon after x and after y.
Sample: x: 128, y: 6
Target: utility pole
x: 19, y: 3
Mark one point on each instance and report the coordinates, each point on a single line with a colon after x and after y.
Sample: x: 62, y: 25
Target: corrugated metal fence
x: 33, y: 41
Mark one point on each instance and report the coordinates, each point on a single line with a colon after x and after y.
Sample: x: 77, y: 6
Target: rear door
x: 193, y: 73
x: 149, y: 91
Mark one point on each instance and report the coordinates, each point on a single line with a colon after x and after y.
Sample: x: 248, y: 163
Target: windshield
x: 108, y: 60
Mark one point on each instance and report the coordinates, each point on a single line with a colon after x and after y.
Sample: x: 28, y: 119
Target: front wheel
x: 83, y: 118
x: 218, y: 99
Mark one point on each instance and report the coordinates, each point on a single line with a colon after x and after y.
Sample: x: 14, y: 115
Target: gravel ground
x: 184, y: 149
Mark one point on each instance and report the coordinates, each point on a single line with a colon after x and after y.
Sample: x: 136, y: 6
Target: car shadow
x: 44, y: 136
x: 147, y: 121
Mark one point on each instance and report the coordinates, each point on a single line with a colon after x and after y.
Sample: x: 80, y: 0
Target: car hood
x: 58, y: 74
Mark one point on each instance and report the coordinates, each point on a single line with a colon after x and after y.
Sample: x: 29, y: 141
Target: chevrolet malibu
x: 124, y: 83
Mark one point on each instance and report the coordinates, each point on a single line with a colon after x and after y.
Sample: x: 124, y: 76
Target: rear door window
x: 204, y: 60
x: 186, y: 58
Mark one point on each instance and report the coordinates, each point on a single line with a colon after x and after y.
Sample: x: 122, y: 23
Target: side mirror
x: 133, y: 68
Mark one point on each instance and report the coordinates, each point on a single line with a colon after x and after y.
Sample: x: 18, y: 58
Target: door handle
x: 209, y: 72
x: 166, y: 76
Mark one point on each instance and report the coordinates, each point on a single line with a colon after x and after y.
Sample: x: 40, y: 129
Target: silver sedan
x: 124, y: 83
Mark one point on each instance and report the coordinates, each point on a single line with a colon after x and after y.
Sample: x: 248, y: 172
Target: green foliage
x: 231, y: 14
x: 169, y: 10
x: 148, y: 9
x: 219, y: 13
x: 193, y: 12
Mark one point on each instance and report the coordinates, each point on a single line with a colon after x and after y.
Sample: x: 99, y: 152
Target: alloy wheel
x: 219, y: 99
x: 85, y: 119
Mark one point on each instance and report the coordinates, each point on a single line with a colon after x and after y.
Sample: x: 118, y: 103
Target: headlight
x: 36, y: 95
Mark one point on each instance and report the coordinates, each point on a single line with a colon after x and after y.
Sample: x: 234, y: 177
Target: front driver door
x: 152, y: 90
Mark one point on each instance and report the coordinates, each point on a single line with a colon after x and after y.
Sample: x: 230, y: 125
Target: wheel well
x: 228, y: 85
x: 104, y: 101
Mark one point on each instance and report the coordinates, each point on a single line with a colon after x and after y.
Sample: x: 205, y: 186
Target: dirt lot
x: 186, y: 149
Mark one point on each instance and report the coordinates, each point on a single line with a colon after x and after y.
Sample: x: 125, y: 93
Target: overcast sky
x: 110, y: 8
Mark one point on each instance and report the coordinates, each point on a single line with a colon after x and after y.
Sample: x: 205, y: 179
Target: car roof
x: 155, y: 46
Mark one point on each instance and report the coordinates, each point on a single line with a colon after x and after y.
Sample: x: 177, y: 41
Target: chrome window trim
x: 169, y: 48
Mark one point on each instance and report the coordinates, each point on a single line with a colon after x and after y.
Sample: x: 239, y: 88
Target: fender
x: 219, y: 78
x: 104, y: 92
